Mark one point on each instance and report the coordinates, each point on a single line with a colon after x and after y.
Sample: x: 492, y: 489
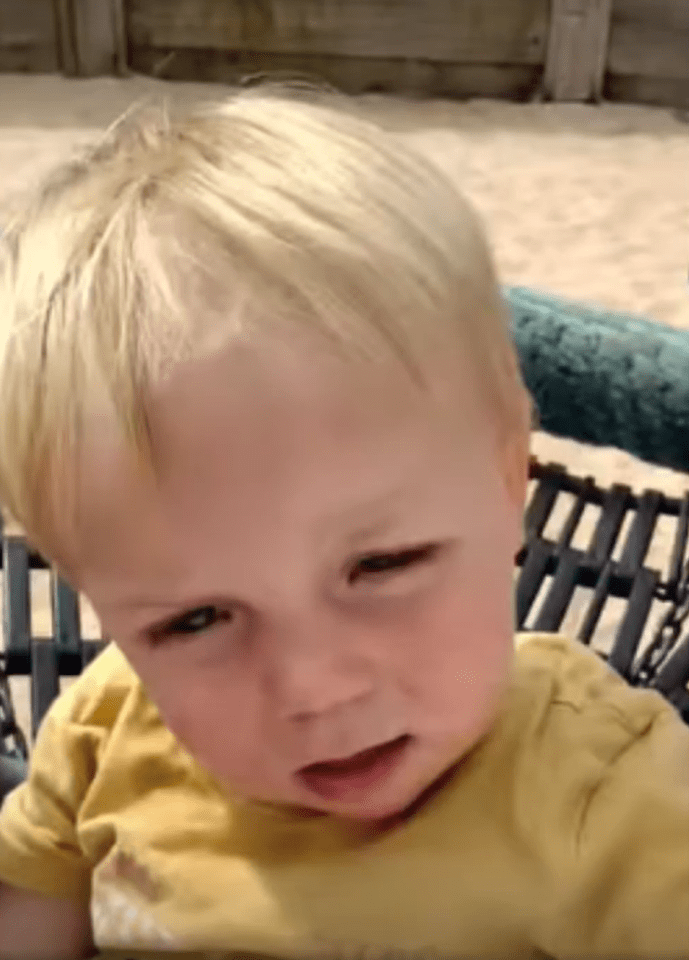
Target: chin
x: 375, y: 811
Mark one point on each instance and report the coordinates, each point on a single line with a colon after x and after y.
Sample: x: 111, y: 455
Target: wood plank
x: 648, y: 51
x: 26, y: 23
x: 121, y: 43
x: 349, y: 74
x: 98, y: 29
x: 473, y: 31
x: 66, y: 41
x: 577, y: 49
x: 31, y: 59
x: 673, y: 14
x: 27, y: 35
x: 654, y: 91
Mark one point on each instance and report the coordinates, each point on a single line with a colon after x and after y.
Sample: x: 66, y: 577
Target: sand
x: 591, y: 202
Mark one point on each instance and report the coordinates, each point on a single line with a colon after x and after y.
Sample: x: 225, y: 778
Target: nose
x: 313, y: 676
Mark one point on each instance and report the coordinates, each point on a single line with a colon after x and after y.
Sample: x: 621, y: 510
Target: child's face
x: 325, y: 568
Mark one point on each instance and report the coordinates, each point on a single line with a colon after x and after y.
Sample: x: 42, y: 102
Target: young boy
x: 259, y: 403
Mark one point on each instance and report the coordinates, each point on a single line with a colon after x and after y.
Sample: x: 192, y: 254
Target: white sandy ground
x: 591, y: 202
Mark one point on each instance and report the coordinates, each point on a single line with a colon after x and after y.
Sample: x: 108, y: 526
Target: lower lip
x: 354, y: 778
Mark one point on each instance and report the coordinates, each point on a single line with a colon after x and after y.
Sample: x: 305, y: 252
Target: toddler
x: 260, y: 404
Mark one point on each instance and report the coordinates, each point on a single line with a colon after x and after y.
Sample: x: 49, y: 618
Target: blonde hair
x: 270, y: 212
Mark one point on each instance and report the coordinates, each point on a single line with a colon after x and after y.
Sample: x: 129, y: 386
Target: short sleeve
x: 39, y: 848
x: 625, y: 882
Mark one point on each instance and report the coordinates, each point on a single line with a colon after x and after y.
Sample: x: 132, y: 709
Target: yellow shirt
x: 565, y: 833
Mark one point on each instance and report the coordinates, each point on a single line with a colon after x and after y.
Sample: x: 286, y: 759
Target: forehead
x: 252, y: 442
x: 247, y: 409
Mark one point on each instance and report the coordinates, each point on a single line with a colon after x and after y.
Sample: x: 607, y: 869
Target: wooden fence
x: 579, y: 50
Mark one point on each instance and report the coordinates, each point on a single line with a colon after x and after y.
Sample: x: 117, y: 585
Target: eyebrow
x: 384, y: 505
x: 371, y: 531
x: 146, y: 603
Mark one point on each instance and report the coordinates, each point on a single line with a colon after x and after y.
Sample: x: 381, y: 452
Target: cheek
x: 460, y: 649
x: 213, y: 713
x: 470, y: 630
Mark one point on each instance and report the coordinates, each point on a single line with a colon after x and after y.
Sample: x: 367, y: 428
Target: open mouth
x: 354, y: 776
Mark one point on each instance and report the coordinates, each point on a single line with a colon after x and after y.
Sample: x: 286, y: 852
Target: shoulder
x: 575, y: 710
x: 106, y: 738
x: 41, y: 823
x: 571, y: 681
x: 583, y: 733
x: 98, y: 695
x: 105, y: 704
x: 602, y: 793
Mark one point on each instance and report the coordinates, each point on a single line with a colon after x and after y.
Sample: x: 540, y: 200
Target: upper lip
x: 357, y: 754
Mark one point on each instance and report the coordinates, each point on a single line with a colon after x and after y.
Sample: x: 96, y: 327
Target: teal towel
x: 603, y: 377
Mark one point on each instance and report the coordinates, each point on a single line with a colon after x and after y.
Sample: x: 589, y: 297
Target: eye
x: 193, y: 621
x: 381, y: 565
